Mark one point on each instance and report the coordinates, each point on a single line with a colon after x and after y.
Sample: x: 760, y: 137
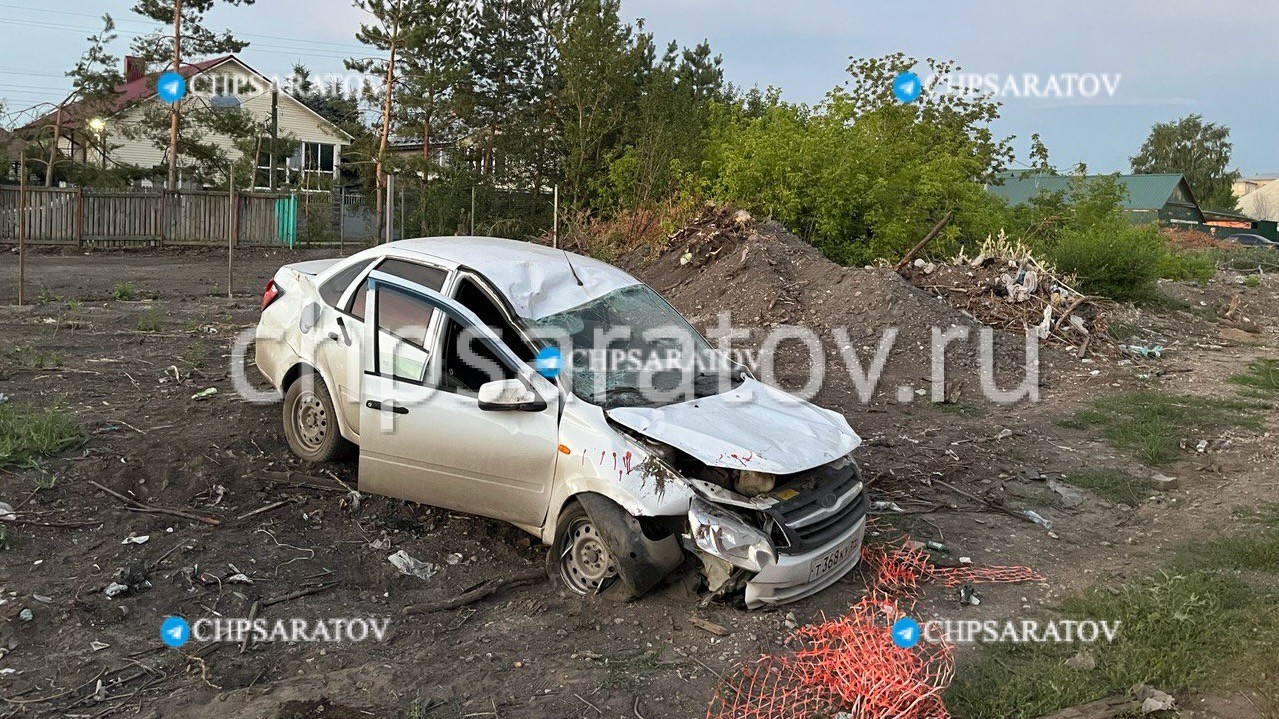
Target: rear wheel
x: 310, y: 421
x: 578, y: 557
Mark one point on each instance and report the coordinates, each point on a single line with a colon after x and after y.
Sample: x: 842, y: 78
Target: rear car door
x: 424, y: 437
x: 341, y: 335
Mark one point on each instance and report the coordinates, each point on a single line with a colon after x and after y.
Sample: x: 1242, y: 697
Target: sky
x: 1164, y: 59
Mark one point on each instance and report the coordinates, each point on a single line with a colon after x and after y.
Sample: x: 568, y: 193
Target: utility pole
x: 275, y: 130
x: 173, y: 109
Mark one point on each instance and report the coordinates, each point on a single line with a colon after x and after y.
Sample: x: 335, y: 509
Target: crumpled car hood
x: 754, y: 427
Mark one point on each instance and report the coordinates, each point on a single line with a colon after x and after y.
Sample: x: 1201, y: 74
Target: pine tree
x: 392, y: 22
x: 190, y: 38
x: 435, y: 67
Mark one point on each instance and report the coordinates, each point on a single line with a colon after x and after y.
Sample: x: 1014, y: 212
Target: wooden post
x: 555, y: 221
x: 163, y: 214
x: 79, y: 217
x: 341, y: 220
x: 230, y: 229
x: 22, y: 228
x: 472, y: 210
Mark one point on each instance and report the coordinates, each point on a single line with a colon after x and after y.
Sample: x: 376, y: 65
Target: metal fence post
x: 342, y: 220
x: 555, y: 218
x: 230, y: 229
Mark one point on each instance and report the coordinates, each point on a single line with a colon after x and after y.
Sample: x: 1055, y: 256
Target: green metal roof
x: 1145, y: 192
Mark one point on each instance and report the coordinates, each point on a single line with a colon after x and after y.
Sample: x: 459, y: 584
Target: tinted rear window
x: 429, y: 277
x: 332, y: 290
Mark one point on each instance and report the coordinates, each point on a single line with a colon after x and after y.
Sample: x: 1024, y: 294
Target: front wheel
x: 578, y: 557
x: 310, y: 421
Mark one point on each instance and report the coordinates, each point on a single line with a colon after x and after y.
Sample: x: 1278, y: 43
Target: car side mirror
x: 509, y: 395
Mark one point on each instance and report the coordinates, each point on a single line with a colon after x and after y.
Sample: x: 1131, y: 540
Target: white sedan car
x: 562, y: 395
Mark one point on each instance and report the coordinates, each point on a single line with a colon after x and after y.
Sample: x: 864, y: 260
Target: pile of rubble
x: 1005, y: 287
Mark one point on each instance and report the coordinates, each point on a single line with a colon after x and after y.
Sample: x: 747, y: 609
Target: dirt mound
x: 765, y: 278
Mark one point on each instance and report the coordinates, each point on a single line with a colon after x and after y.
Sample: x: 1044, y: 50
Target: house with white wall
x: 220, y: 82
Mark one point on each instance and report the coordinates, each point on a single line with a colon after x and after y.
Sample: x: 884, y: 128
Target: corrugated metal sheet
x: 1145, y: 192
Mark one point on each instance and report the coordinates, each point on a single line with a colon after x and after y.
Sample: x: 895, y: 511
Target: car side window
x: 333, y: 289
x: 425, y: 275
x: 402, y: 321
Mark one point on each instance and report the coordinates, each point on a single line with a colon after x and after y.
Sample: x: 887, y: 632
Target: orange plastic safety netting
x: 851, y: 664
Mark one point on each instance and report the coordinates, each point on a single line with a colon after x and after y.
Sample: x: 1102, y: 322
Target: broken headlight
x: 726, y: 535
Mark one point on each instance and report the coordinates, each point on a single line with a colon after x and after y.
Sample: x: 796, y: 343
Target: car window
x: 333, y: 288
x: 425, y: 275
x: 402, y: 321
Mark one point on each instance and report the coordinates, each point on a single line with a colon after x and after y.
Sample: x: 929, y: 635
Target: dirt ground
x: 531, y: 651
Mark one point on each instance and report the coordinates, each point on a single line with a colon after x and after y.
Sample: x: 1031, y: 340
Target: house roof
x: 128, y: 94
x: 1145, y: 192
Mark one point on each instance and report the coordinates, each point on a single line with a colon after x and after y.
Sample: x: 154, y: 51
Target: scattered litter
x: 26, y: 615
x: 3, y: 398
x: 454, y: 558
x: 968, y: 595
x: 139, y: 539
x: 380, y: 543
x: 686, y: 258
x: 98, y: 646
x: 882, y: 507
x: 115, y: 589
x: 6, y: 512
x: 42, y: 599
x: 965, y: 560
x: 1163, y: 482
x: 1153, y: 700
x: 718, y: 630
x: 1202, y: 446
x: 1034, y: 516
x: 1003, y: 434
x: 352, y: 501
x: 1143, y: 351
x: 937, y: 546
x: 239, y: 578
x: 129, y: 580
x: 204, y: 394
x: 410, y: 566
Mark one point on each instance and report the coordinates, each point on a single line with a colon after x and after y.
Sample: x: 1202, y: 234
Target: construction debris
x: 1005, y: 287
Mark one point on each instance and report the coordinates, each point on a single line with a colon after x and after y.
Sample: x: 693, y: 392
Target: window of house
x: 314, y: 157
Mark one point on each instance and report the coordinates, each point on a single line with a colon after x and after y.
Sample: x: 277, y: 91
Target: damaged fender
x: 641, y: 562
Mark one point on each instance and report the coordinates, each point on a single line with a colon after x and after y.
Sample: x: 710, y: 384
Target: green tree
x: 435, y: 68
x: 863, y: 175
x: 1194, y: 148
x: 1039, y: 161
x: 191, y: 37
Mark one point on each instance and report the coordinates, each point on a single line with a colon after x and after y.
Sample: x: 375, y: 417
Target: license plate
x: 835, y: 557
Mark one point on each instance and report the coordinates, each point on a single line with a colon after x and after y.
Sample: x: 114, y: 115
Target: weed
x: 149, y: 320
x: 1262, y: 376
x: 963, y: 409
x: 28, y: 357
x: 123, y: 291
x: 28, y: 433
x: 1111, y: 484
x: 1151, y: 424
x: 1175, y: 631
x: 632, y: 671
x: 197, y: 354
x: 1252, y: 281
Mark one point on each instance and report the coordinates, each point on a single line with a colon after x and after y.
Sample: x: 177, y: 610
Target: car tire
x: 311, y: 423
x: 579, y: 561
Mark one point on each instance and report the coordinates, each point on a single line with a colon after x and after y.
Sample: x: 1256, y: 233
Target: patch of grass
x: 1252, y: 281
x: 123, y: 291
x: 1151, y: 424
x: 29, y: 357
x: 149, y: 320
x: 29, y: 433
x: 632, y: 671
x: 1112, y: 484
x: 963, y: 409
x: 1177, y: 632
x: 1262, y: 376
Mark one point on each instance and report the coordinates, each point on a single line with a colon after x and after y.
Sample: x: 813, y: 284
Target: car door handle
x: 374, y: 404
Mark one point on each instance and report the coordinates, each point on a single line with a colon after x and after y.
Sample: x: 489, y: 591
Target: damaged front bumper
x: 810, y: 536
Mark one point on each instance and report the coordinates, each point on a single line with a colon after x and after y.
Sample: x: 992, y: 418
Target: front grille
x: 814, y: 516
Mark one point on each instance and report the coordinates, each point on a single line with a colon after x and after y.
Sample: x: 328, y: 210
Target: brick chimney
x: 135, y: 68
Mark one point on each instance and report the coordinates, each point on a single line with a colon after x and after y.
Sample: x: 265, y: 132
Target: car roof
x: 537, y: 280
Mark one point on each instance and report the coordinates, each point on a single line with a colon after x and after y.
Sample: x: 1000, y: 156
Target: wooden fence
x: 152, y: 218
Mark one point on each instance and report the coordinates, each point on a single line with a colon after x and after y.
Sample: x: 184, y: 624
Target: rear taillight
x: 273, y: 293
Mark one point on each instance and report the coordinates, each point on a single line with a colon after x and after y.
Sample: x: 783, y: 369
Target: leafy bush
x: 28, y: 433
x: 1186, y: 266
x: 1112, y: 259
